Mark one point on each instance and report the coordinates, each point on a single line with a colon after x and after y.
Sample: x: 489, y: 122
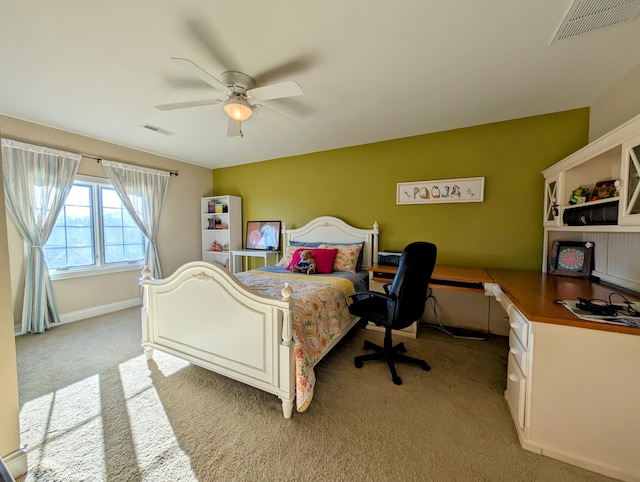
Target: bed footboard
x: 202, y: 314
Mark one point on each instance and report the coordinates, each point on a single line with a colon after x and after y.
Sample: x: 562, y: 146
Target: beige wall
x: 616, y: 105
x: 9, y: 433
x: 178, y: 236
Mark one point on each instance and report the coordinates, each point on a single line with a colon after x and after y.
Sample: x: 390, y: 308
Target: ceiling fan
x: 242, y: 95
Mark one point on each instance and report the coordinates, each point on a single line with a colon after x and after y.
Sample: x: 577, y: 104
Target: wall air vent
x: 589, y: 15
x: 159, y: 130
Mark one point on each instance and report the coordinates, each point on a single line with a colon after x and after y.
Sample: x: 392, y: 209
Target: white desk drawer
x: 501, y: 298
x: 519, y: 353
x: 520, y: 326
x: 516, y: 391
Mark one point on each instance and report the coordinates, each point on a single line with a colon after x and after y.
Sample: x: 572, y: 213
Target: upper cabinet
x: 608, y: 169
x: 598, y: 187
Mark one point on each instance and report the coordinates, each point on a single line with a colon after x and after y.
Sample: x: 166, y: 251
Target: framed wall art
x: 571, y: 258
x: 462, y: 190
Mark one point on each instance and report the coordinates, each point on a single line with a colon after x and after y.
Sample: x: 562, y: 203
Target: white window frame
x: 100, y: 268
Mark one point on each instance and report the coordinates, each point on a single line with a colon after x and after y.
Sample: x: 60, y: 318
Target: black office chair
x: 400, y: 305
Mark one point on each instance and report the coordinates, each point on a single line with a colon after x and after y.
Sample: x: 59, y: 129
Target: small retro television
x: 263, y: 235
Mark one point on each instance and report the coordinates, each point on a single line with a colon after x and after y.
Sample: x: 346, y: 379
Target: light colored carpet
x: 93, y: 409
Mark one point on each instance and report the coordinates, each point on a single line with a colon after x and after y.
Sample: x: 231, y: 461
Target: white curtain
x: 142, y: 191
x: 36, y: 183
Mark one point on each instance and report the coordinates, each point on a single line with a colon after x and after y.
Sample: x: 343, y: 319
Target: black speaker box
x: 599, y: 215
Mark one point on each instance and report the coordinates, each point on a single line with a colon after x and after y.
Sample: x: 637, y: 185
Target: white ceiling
x: 371, y: 70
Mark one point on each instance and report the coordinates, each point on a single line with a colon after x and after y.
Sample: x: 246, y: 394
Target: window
x: 93, y: 231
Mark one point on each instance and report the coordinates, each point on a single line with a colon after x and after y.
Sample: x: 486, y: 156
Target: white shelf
x: 592, y: 203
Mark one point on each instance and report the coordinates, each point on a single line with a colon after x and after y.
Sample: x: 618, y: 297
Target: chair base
x: 390, y: 354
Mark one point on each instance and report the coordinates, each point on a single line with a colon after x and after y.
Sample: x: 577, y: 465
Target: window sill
x: 81, y: 273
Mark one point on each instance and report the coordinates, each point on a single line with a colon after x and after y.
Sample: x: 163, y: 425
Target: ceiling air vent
x: 589, y: 15
x: 159, y: 130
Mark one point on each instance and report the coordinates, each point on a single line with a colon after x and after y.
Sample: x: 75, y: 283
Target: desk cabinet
x: 572, y: 393
x: 518, y: 374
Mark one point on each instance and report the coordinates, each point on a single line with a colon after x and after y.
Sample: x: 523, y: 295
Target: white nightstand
x: 251, y: 253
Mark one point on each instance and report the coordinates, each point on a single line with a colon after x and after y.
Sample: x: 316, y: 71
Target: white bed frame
x: 203, y: 314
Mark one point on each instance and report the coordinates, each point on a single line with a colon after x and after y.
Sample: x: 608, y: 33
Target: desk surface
x: 447, y: 273
x: 534, y: 293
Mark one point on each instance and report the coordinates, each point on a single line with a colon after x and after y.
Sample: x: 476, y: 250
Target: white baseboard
x: 93, y: 311
x: 16, y: 462
x: 98, y: 310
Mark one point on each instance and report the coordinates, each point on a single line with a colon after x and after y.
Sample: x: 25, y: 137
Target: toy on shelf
x: 579, y: 195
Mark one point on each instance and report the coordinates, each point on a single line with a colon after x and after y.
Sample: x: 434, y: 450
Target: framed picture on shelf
x: 571, y: 258
x: 605, y: 190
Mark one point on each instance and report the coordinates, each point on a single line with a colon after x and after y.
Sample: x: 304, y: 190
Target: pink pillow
x: 324, y: 259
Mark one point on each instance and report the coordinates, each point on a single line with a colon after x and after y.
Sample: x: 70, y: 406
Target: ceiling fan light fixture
x: 238, y: 109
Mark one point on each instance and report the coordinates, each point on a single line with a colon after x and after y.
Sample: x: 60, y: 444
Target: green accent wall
x: 358, y: 184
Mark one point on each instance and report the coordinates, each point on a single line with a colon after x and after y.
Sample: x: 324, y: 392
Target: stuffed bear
x: 306, y: 264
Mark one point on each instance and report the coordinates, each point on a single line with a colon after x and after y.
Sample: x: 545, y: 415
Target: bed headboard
x: 334, y: 230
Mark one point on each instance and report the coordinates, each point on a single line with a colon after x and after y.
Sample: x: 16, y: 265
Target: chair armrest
x: 373, y: 293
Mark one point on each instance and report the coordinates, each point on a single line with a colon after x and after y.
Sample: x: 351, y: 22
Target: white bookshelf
x: 222, y: 226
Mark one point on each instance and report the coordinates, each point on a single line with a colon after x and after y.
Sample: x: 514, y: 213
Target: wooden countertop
x: 449, y: 273
x: 533, y: 293
x: 449, y: 277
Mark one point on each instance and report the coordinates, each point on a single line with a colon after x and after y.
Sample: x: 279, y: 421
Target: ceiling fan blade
x: 202, y: 74
x: 184, y: 105
x: 286, y: 70
x: 262, y: 106
x: 207, y: 37
x: 276, y: 91
x: 233, y: 129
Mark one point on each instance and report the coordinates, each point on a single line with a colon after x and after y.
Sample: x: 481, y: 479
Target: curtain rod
x: 99, y: 159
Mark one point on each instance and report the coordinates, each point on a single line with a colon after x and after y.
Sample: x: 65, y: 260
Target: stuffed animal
x: 306, y: 264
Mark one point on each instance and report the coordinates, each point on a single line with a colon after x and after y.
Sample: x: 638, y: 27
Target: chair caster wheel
x: 426, y: 367
x: 358, y: 364
x: 401, y: 348
x: 397, y: 380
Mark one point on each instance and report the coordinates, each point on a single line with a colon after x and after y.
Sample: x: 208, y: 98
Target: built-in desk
x: 454, y: 277
x: 533, y: 293
x: 572, y: 385
x: 456, y: 288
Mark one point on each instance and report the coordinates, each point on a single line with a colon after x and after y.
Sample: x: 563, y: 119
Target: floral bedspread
x: 320, y: 313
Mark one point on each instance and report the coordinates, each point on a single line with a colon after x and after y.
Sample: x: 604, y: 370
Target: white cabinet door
x: 630, y: 195
x: 552, y: 215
